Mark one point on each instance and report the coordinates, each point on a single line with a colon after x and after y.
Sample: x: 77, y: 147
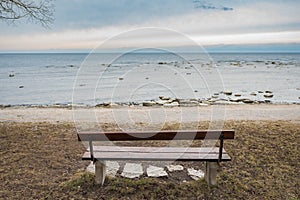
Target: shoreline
x: 137, y: 114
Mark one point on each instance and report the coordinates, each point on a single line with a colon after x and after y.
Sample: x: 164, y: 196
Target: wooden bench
x: 211, y: 155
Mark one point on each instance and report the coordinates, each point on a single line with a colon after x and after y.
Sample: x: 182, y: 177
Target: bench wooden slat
x: 157, y: 149
x: 162, y: 135
x: 151, y: 153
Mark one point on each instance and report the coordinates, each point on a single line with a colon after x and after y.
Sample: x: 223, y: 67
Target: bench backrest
x: 161, y: 135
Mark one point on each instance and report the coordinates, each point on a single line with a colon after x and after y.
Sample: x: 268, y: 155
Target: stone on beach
x: 132, y: 170
x: 188, y: 102
x: 173, y: 104
x: 203, y: 104
x: 235, y: 100
x: 149, y: 103
x: 153, y: 171
x: 161, y: 102
x: 248, y: 101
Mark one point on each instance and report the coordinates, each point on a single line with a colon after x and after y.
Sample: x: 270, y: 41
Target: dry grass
x: 43, y: 161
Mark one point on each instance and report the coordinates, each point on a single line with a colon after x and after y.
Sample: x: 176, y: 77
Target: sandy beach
x: 271, y: 112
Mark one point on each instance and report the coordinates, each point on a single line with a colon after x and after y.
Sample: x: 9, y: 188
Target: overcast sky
x: 84, y: 24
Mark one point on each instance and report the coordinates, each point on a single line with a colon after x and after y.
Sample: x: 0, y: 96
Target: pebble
x: 253, y: 94
x: 121, y: 78
x: 268, y: 91
x: 11, y: 75
x: 21, y: 86
x: 237, y: 95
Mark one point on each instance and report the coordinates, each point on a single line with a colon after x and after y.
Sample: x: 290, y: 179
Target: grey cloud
x: 209, y: 6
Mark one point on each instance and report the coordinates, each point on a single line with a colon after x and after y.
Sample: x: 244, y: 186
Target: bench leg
x: 100, y: 172
x: 211, y: 173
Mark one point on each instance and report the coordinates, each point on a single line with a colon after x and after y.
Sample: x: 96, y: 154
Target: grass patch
x: 43, y: 161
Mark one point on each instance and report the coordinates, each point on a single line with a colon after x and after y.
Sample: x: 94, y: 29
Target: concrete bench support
x: 211, y: 173
x: 100, y: 172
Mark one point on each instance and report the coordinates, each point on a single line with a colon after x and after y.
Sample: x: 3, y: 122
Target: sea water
x: 80, y: 78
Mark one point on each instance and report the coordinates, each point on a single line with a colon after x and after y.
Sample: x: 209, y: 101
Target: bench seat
x: 156, y: 153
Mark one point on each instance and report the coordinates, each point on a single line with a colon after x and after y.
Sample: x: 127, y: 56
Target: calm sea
x: 47, y: 79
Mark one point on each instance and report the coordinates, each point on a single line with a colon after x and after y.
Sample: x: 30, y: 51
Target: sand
x: 139, y: 114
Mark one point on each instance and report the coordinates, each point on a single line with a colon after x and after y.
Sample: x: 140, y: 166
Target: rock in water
x: 227, y: 92
x: 164, y: 98
x: 268, y: 95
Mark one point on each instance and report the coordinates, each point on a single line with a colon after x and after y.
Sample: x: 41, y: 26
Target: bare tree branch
x: 38, y: 11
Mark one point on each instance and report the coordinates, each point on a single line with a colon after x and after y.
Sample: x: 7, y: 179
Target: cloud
x: 210, y: 6
x: 257, y: 23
